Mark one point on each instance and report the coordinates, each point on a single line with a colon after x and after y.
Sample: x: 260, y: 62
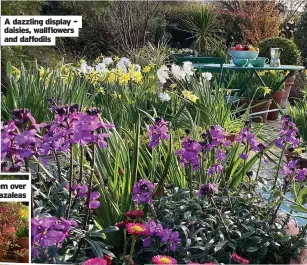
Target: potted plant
x: 290, y: 56
x: 22, y: 255
x: 23, y: 230
x: 258, y: 99
x: 274, y: 80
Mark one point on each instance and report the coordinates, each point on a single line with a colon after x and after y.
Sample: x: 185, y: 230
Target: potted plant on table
x: 290, y: 56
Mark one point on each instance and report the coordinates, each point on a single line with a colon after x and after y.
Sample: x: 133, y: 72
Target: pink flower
x: 95, y: 261
x: 239, y: 259
x: 136, y: 229
x: 163, y: 260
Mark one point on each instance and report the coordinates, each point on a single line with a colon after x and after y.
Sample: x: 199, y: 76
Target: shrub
x: 301, y: 36
x: 290, y: 55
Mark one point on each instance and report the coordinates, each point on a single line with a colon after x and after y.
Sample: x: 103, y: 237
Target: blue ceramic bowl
x: 243, y: 54
x: 240, y: 62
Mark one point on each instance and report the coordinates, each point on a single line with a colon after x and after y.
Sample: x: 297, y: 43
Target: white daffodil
x: 188, y: 68
x: 162, y: 74
x: 207, y: 76
x: 107, y: 60
x: 101, y: 68
x: 178, y: 72
x: 86, y: 69
x: 123, y: 64
x: 164, y: 97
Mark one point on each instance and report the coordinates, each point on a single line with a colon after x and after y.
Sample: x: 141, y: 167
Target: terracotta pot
x: 260, y: 107
x: 301, y: 163
x: 23, y: 242
x: 1, y: 254
x: 277, y: 99
x: 289, y: 82
x: 24, y: 259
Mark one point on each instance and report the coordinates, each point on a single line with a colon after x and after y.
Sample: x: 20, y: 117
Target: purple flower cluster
x: 217, y: 139
x: 19, y: 136
x: 158, y: 131
x: 142, y: 192
x: 165, y: 235
x: 216, y: 168
x: 288, y: 133
x: 207, y: 190
x: 189, y: 154
x: 292, y: 171
x: 81, y: 192
x: 249, y: 140
x: 48, y: 232
x: 18, y: 139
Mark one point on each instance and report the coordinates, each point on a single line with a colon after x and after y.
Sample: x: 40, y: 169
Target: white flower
x: 164, y: 97
x: 137, y: 68
x: 101, y: 68
x: 123, y: 64
x: 107, y: 60
x: 162, y: 74
x: 188, y: 68
x: 207, y: 76
x: 86, y: 69
x: 178, y: 72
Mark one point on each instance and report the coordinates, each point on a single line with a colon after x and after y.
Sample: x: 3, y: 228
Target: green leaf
x: 220, y: 245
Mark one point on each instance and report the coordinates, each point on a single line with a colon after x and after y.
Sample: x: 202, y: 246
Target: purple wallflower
x: 158, y: 131
x: 288, y: 133
x: 207, y: 189
x: 170, y: 237
x: 49, y: 231
x: 243, y: 156
x: 216, y: 168
x: 220, y: 155
x: 155, y: 230
x: 189, y: 153
x: 142, y: 192
x: 217, y: 138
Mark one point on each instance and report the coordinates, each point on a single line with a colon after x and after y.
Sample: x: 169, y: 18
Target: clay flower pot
x: 277, y: 100
x: 23, y: 242
x: 262, y: 105
x: 1, y: 254
x: 289, y: 82
x: 24, y: 259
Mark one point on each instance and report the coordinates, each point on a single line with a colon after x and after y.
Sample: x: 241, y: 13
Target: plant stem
x: 278, y: 167
x: 81, y: 164
x: 70, y: 181
x: 56, y: 157
x: 220, y: 216
x: 190, y: 182
x: 132, y: 248
x: 89, y: 186
x: 258, y: 169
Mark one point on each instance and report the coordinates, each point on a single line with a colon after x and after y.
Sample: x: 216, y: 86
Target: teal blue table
x: 291, y: 68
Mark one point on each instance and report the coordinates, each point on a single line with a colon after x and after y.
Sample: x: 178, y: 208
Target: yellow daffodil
x: 116, y: 96
x: 124, y: 79
x: 112, y: 78
x: 24, y: 213
x: 146, y: 69
x: 266, y: 90
x: 116, y: 58
x: 41, y: 71
x: 152, y: 65
x: 299, y: 150
x: 100, y: 90
x: 137, y: 77
x: 16, y: 72
x: 47, y: 81
x: 186, y: 93
x: 172, y: 86
x: 192, y: 98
